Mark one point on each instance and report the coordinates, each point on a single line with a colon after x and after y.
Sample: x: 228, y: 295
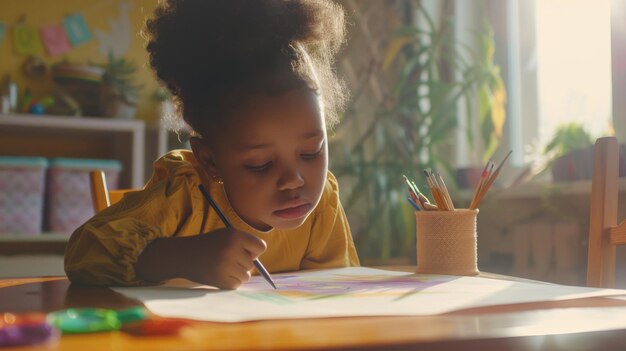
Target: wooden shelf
x: 46, y: 243
x: 534, y: 190
x: 81, y: 137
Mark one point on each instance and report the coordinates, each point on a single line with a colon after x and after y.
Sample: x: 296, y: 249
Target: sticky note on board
x: 26, y: 40
x: 3, y: 29
x: 76, y: 29
x: 54, y: 39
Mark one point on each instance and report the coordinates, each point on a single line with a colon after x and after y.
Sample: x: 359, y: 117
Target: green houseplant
x: 568, y: 137
x: 570, y: 153
x: 414, y: 130
x: 119, y: 91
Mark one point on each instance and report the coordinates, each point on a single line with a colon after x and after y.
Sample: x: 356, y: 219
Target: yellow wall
x: 97, y: 14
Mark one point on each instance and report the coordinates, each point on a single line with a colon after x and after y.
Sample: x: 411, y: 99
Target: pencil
x: 415, y: 200
x: 481, y: 183
x: 413, y: 203
x: 421, y: 197
x: 446, y: 194
x: 414, y: 193
x: 434, y: 190
x: 492, y: 178
x: 259, y: 266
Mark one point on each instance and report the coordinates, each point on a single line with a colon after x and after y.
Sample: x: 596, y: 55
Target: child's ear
x: 204, y: 155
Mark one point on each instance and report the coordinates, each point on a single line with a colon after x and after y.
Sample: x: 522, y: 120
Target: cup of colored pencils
x: 446, y: 236
x: 447, y: 242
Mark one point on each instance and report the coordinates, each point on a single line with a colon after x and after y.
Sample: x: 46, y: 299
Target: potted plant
x: 79, y: 87
x: 570, y: 152
x: 412, y: 130
x: 119, y: 92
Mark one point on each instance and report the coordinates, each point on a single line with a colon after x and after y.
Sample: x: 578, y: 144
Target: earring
x: 217, y: 180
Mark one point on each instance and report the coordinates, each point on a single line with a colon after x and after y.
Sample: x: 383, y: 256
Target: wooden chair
x: 604, y: 233
x: 101, y: 195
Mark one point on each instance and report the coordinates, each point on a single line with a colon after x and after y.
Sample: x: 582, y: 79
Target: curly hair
x: 212, y: 54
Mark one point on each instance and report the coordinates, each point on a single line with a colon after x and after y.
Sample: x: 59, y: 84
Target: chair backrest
x: 604, y: 233
x: 101, y: 195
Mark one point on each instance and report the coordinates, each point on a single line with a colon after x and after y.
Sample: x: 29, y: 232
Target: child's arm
x: 223, y: 258
x: 162, y: 222
x: 149, y: 237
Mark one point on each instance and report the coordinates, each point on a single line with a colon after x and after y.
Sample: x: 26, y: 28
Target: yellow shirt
x: 104, y: 250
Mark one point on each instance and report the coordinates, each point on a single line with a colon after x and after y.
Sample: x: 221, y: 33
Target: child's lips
x: 294, y: 212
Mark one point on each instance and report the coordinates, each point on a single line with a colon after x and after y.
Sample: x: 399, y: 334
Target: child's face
x: 272, y: 156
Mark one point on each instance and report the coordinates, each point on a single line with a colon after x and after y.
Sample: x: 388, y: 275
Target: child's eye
x: 259, y: 168
x: 313, y: 155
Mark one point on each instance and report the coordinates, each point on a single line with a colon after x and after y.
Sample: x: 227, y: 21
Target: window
x: 573, y: 65
x: 556, y: 56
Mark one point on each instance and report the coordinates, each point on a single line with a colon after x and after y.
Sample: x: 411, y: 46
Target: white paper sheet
x: 354, y: 291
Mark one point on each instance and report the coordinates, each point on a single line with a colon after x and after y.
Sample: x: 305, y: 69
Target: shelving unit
x: 80, y: 137
x: 57, y: 136
x: 46, y: 244
x: 535, y: 190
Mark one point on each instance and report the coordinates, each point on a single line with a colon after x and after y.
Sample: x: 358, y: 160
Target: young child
x: 254, y: 81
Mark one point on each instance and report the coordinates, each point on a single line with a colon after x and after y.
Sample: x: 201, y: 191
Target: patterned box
x: 22, y: 184
x: 69, y: 193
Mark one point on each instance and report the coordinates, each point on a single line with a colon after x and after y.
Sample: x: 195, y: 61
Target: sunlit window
x: 573, y: 65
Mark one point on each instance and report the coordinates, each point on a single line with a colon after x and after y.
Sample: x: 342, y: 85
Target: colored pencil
x: 446, y: 194
x: 422, y: 198
x: 489, y: 182
x: 413, y: 203
x: 434, y: 190
x: 481, y: 182
x: 415, y: 194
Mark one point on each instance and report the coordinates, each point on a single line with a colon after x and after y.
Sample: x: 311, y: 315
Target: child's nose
x: 291, y: 178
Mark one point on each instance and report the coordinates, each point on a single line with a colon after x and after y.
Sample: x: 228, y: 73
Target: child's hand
x: 224, y: 258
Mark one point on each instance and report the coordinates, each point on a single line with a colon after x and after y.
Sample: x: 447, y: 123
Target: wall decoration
x: 27, y: 41
x: 118, y: 39
x: 75, y: 32
x: 55, y: 39
x: 59, y: 38
x: 76, y: 29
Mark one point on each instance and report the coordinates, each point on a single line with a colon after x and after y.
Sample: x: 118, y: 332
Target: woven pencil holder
x: 446, y: 242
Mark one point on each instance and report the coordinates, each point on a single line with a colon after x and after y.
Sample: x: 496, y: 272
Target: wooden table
x: 582, y: 324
